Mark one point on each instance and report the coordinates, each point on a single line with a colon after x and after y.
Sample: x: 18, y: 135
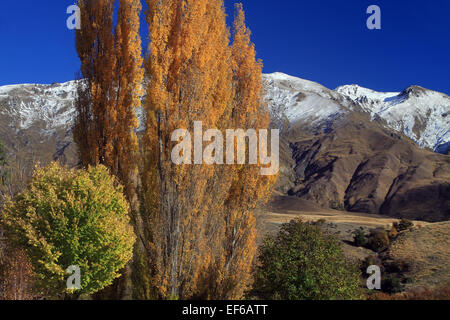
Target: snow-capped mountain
x: 52, y: 106
x: 338, y: 147
x: 421, y: 114
x: 293, y: 100
x: 344, y: 149
x: 36, y: 121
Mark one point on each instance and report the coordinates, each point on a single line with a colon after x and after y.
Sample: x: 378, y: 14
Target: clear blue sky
x: 321, y: 40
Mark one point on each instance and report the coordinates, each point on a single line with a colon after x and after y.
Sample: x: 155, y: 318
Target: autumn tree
x: 111, y: 89
x: 230, y: 275
x: 189, y: 80
x: 249, y: 187
x: 95, y: 48
x: 202, y: 228
x: 111, y: 67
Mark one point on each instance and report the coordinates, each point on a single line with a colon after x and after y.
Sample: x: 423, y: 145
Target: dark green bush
x: 391, y: 283
x: 359, y: 238
x: 370, y: 261
x: 301, y: 263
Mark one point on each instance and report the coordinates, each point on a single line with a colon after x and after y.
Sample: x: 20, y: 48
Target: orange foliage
x: 111, y: 66
x: 248, y: 187
x: 189, y: 80
x: 111, y: 89
x: 202, y: 227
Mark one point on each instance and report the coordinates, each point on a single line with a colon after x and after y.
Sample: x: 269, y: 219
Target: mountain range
x: 351, y: 148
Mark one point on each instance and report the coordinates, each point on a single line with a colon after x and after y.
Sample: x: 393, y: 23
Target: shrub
x: 300, y: 262
x: 378, y: 240
x: 320, y: 222
x: 403, y: 225
x: 16, y: 275
x: 71, y: 217
x: 371, y: 260
x: 359, y: 238
x: 392, y: 233
x: 3, y: 163
x: 438, y: 293
x: 391, y: 283
x: 397, y: 266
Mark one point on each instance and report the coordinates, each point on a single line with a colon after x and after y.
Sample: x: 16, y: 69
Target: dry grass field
x: 427, y: 252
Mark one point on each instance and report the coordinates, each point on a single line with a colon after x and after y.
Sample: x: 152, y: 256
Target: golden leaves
x: 202, y: 220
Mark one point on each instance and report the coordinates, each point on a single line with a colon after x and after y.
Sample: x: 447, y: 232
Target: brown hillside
x: 361, y: 166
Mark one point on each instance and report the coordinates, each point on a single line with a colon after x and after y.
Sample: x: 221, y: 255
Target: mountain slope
x: 342, y: 149
x: 36, y: 121
x: 337, y: 154
x: 421, y: 114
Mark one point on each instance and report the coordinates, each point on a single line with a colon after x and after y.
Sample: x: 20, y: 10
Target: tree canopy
x: 301, y: 263
x: 71, y: 217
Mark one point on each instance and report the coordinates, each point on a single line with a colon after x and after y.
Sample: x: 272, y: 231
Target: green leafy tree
x: 71, y: 217
x: 301, y: 263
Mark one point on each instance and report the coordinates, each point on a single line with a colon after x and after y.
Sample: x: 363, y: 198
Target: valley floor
x: 425, y: 248
x: 283, y: 209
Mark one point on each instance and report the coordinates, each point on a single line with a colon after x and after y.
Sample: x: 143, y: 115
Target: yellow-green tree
x: 71, y: 217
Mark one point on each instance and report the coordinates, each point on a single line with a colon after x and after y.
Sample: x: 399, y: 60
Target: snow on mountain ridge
x: 355, y: 91
x: 421, y: 114
x: 298, y: 100
x: 36, y: 103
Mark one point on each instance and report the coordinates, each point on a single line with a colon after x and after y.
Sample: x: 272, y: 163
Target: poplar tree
x: 95, y: 48
x: 111, y: 66
x: 201, y: 225
x: 111, y: 89
x: 230, y: 276
x: 189, y: 80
